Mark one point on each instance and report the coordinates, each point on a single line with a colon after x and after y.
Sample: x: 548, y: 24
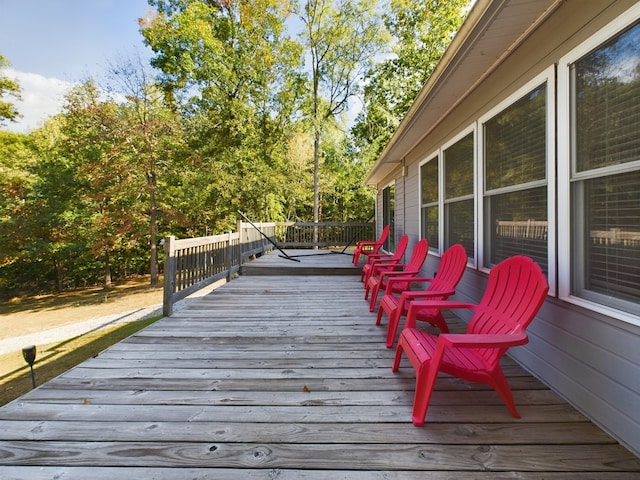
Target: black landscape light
x: 29, y: 354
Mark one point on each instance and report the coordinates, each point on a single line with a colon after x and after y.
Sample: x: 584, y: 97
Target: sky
x: 52, y: 44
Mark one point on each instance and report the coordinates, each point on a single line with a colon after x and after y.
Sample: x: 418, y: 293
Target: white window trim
x: 463, y: 133
x: 428, y: 158
x: 565, y: 167
x: 548, y: 77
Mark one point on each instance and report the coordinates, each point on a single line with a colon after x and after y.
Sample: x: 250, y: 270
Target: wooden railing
x: 533, y: 229
x: 537, y: 230
x: 615, y: 236
x: 330, y: 234
x: 194, y: 263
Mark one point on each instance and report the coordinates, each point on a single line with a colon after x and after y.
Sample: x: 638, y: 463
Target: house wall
x: 589, y: 358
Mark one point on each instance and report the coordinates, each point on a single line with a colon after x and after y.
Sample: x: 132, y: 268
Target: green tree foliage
x: 342, y: 38
x: 57, y: 248
x: 231, y: 70
x: 151, y: 135
x: 108, y: 190
x: 16, y: 161
x: 422, y: 31
x: 8, y: 88
x: 238, y: 116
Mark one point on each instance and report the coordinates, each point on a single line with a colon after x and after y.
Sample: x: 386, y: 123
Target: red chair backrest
x: 383, y: 237
x: 418, y: 255
x: 452, y: 265
x: 400, y: 249
x: 515, y: 291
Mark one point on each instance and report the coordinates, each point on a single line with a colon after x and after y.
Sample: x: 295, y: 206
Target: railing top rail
x: 194, y: 242
x: 327, y: 224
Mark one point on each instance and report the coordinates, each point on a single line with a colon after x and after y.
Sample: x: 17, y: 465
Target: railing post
x: 240, y: 241
x: 229, y: 256
x: 169, y: 275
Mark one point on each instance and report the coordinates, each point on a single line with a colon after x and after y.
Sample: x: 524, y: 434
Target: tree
x: 9, y: 88
x: 57, y: 248
x: 149, y: 133
x: 229, y: 68
x: 422, y: 31
x: 16, y: 180
x: 342, y: 38
x: 108, y: 188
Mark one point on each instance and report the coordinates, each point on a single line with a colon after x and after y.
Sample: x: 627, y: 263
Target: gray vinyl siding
x: 590, y: 359
x: 596, y: 365
x: 399, y: 209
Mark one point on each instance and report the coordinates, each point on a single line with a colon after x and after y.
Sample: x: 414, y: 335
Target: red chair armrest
x: 405, y: 279
x: 377, y: 257
x: 396, y: 274
x: 483, y: 341
x: 414, y: 294
x: 412, y: 279
x: 439, y: 304
x: 378, y: 267
x: 365, y: 243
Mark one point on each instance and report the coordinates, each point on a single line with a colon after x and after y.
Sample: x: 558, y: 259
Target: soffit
x: 491, y: 31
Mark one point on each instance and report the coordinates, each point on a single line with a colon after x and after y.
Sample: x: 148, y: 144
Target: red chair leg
x: 394, y: 320
x: 398, y: 358
x: 379, y: 317
x: 426, y: 365
x: 501, y: 386
x: 426, y: 374
x: 374, y: 296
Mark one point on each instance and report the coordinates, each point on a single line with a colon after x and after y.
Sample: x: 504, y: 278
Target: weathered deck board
x: 287, y: 377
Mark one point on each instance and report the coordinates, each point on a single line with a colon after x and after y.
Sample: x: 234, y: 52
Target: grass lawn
x: 55, y: 359
x: 25, y: 315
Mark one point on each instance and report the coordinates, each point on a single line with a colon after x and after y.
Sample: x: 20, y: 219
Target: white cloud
x: 41, y: 99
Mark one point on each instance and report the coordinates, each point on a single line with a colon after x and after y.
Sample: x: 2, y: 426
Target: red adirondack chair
x: 515, y: 291
x: 379, y: 259
x: 378, y: 281
x: 452, y: 266
x: 364, y: 247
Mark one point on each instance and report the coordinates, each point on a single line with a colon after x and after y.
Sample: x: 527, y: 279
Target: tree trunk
x: 107, y: 269
x: 316, y: 184
x: 153, y: 229
x: 58, y: 269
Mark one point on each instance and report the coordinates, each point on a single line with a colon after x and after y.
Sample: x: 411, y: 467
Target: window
x: 515, y: 180
x: 458, y: 194
x: 604, y: 195
x: 388, y: 216
x: 429, y: 203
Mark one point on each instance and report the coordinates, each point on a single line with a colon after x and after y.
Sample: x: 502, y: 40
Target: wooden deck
x: 303, y: 262
x: 287, y: 377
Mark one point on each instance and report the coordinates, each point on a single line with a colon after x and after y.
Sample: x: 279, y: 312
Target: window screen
x: 519, y: 225
x: 515, y: 154
x: 605, y: 203
x: 458, y: 193
x: 611, y: 235
x: 429, y: 202
x: 607, y: 104
x: 516, y: 142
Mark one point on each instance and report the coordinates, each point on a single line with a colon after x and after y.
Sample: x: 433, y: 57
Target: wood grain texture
x: 287, y: 377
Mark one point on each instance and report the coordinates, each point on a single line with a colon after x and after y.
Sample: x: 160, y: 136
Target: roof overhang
x: 492, y: 30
